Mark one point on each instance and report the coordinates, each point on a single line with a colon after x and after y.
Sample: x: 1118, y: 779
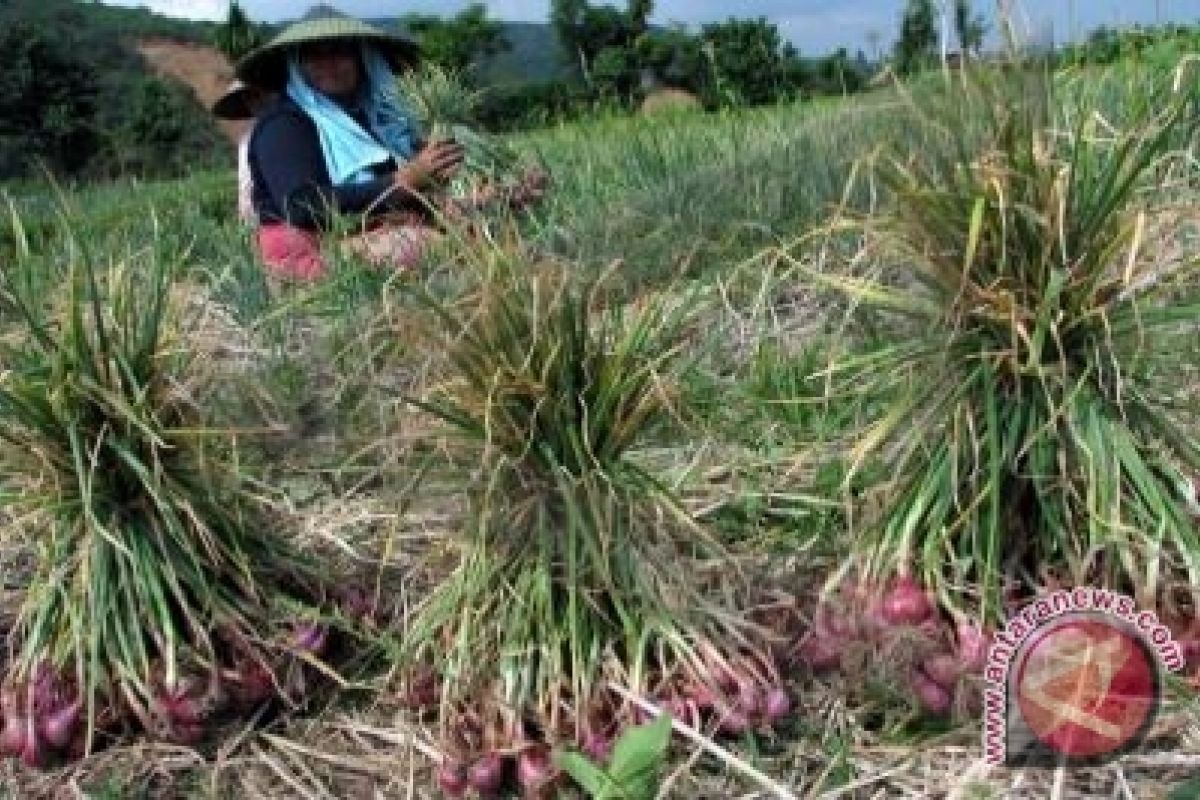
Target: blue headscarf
x: 349, y: 150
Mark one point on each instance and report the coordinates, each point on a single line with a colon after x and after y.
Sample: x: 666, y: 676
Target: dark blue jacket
x: 291, y: 182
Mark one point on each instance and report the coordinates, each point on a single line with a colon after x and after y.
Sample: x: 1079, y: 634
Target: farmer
x: 339, y: 139
x: 239, y: 103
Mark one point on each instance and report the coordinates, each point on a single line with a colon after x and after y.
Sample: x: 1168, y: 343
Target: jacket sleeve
x: 292, y: 166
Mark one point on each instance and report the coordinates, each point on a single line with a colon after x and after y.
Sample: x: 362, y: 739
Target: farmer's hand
x: 532, y: 187
x: 435, y: 163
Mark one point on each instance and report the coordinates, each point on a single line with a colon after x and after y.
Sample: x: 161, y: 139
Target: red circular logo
x: 1086, y: 687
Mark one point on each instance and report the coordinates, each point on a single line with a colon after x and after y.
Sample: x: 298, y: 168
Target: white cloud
x: 188, y: 9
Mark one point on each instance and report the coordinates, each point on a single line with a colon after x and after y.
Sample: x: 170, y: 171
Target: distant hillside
x: 78, y: 99
x: 535, y: 55
x: 202, y: 68
x: 132, y: 24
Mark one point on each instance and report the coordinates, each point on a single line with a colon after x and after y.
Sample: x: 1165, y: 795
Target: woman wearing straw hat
x: 339, y: 139
x: 239, y: 103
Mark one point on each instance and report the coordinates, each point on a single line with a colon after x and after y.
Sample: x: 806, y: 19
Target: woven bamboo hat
x: 235, y: 103
x: 267, y: 66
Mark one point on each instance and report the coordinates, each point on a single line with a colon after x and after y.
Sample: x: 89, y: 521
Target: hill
x: 534, y: 54
x: 79, y: 101
x: 132, y: 24
x: 204, y: 69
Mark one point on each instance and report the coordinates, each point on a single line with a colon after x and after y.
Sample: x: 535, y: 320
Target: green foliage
x: 568, y: 18
x: 639, y: 15
x: 675, y: 57
x: 614, y: 57
x: 633, y: 771
x: 237, y: 35
x: 446, y: 107
x: 460, y: 42
x: 839, y: 753
x: 596, y: 393
x: 835, y: 74
x: 439, y: 96
x: 1161, y: 47
x: 534, y: 55
x: 790, y: 391
x: 113, y: 785
x: 124, y: 24
x: 969, y: 27
x: 917, y: 45
x: 617, y: 58
x: 48, y: 93
x: 75, y: 100
x: 746, y: 58
x: 534, y: 105
x: 156, y: 135
x: 657, y: 194
x: 587, y: 31
x: 615, y: 71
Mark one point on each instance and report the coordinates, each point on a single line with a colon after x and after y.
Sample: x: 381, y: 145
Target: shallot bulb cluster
x: 939, y: 661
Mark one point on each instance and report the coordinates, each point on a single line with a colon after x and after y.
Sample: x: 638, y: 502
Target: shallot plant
x: 159, y: 583
x: 446, y: 107
x: 578, y: 568
x: 1044, y: 362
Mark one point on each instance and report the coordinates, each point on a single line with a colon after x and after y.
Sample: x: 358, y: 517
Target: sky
x: 816, y: 27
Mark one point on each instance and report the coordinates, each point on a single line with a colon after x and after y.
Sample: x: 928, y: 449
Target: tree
x: 615, y: 72
x: 156, y: 135
x: 458, y: 43
x: 70, y: 91
x: 747, y: 60
x: 237, y: 35
x: 567, y: 20
x: 838, y: 74
x: 675, y: 58
x: 639, y: 15
x: 586, y: 30
x: 918, y: 37
x: 969, y: 27
x: 49, y: 93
